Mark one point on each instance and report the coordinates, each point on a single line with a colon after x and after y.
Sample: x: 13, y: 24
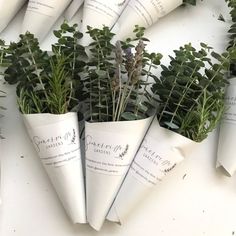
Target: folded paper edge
x: 219, y: 165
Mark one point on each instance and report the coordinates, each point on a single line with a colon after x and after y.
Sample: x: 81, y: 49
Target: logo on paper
x: 115, y: 150
x: 152, y: 163
x: 57, y: 141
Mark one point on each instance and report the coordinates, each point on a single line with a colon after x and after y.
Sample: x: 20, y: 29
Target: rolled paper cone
x: 72, y: 9
x: 0, y: 173
x: 142, y: 13
x: 110, y: 148
x: 97, y: 13
x: 8, y: 9
x: 160, y: 151
x: 227, y: 133
x: 56, y: 140
x: 41, y: 15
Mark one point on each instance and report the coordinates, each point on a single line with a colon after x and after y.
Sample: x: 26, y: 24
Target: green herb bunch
x: 232, y: 36
x: 47, y: 82
x: 117, y: 76
x: 191, y: 91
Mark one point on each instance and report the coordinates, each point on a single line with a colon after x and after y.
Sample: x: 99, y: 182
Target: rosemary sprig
x: 59, y: 86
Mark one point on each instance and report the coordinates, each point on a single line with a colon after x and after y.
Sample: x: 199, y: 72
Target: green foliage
x: 117, y: 76
x: 46, y: 82
x: 232, y: 36
x: 68, y: 45
x: 191, y: 91
x: 192, y: 2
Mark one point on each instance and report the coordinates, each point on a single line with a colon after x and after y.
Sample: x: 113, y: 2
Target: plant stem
x: 119, y: 95
x: 144, y: 89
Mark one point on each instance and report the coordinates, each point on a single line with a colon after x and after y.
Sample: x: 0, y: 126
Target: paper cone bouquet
x: 44, y: 93
x: 189, y: 107
x: 226, y: 142
x: 225, y: 155
x: 2, y: 108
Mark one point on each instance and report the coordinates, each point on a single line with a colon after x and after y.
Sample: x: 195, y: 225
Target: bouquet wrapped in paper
x: 118, y: 117
x: 97, y: 13
x: 46, y: 88
x: 2, y: 94
x: 41, y: 15
x: 225, y: 154
x: 226, y: 142
x: 8, y: 10
x: 190, y: 93
x: 143, y: 13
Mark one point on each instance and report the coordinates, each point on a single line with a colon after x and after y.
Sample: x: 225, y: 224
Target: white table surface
x: 194, y: 199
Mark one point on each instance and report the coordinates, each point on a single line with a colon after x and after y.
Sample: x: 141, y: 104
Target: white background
x: 193, y: 200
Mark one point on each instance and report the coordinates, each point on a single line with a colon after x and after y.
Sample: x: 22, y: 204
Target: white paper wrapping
x: 0, y: 171
x: 227, y: 136
x: 8, y: 9
x: 41, y: 15
x: 110, y: 148
x: 142, y: 13
x: 56, y: 140
x: 97, y: 13
x: 160, y: 151
x: 72, y: 9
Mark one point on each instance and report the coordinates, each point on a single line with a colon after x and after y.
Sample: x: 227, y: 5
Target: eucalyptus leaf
x: 129, y: 116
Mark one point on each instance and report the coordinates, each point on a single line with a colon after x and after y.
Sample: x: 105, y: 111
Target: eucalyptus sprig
x: 117, y: 76
x: 191, y: 91
x: 68, y: 45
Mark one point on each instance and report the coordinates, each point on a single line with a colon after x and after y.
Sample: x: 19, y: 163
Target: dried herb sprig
x: 117, y: 76
x: 191, y: 91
